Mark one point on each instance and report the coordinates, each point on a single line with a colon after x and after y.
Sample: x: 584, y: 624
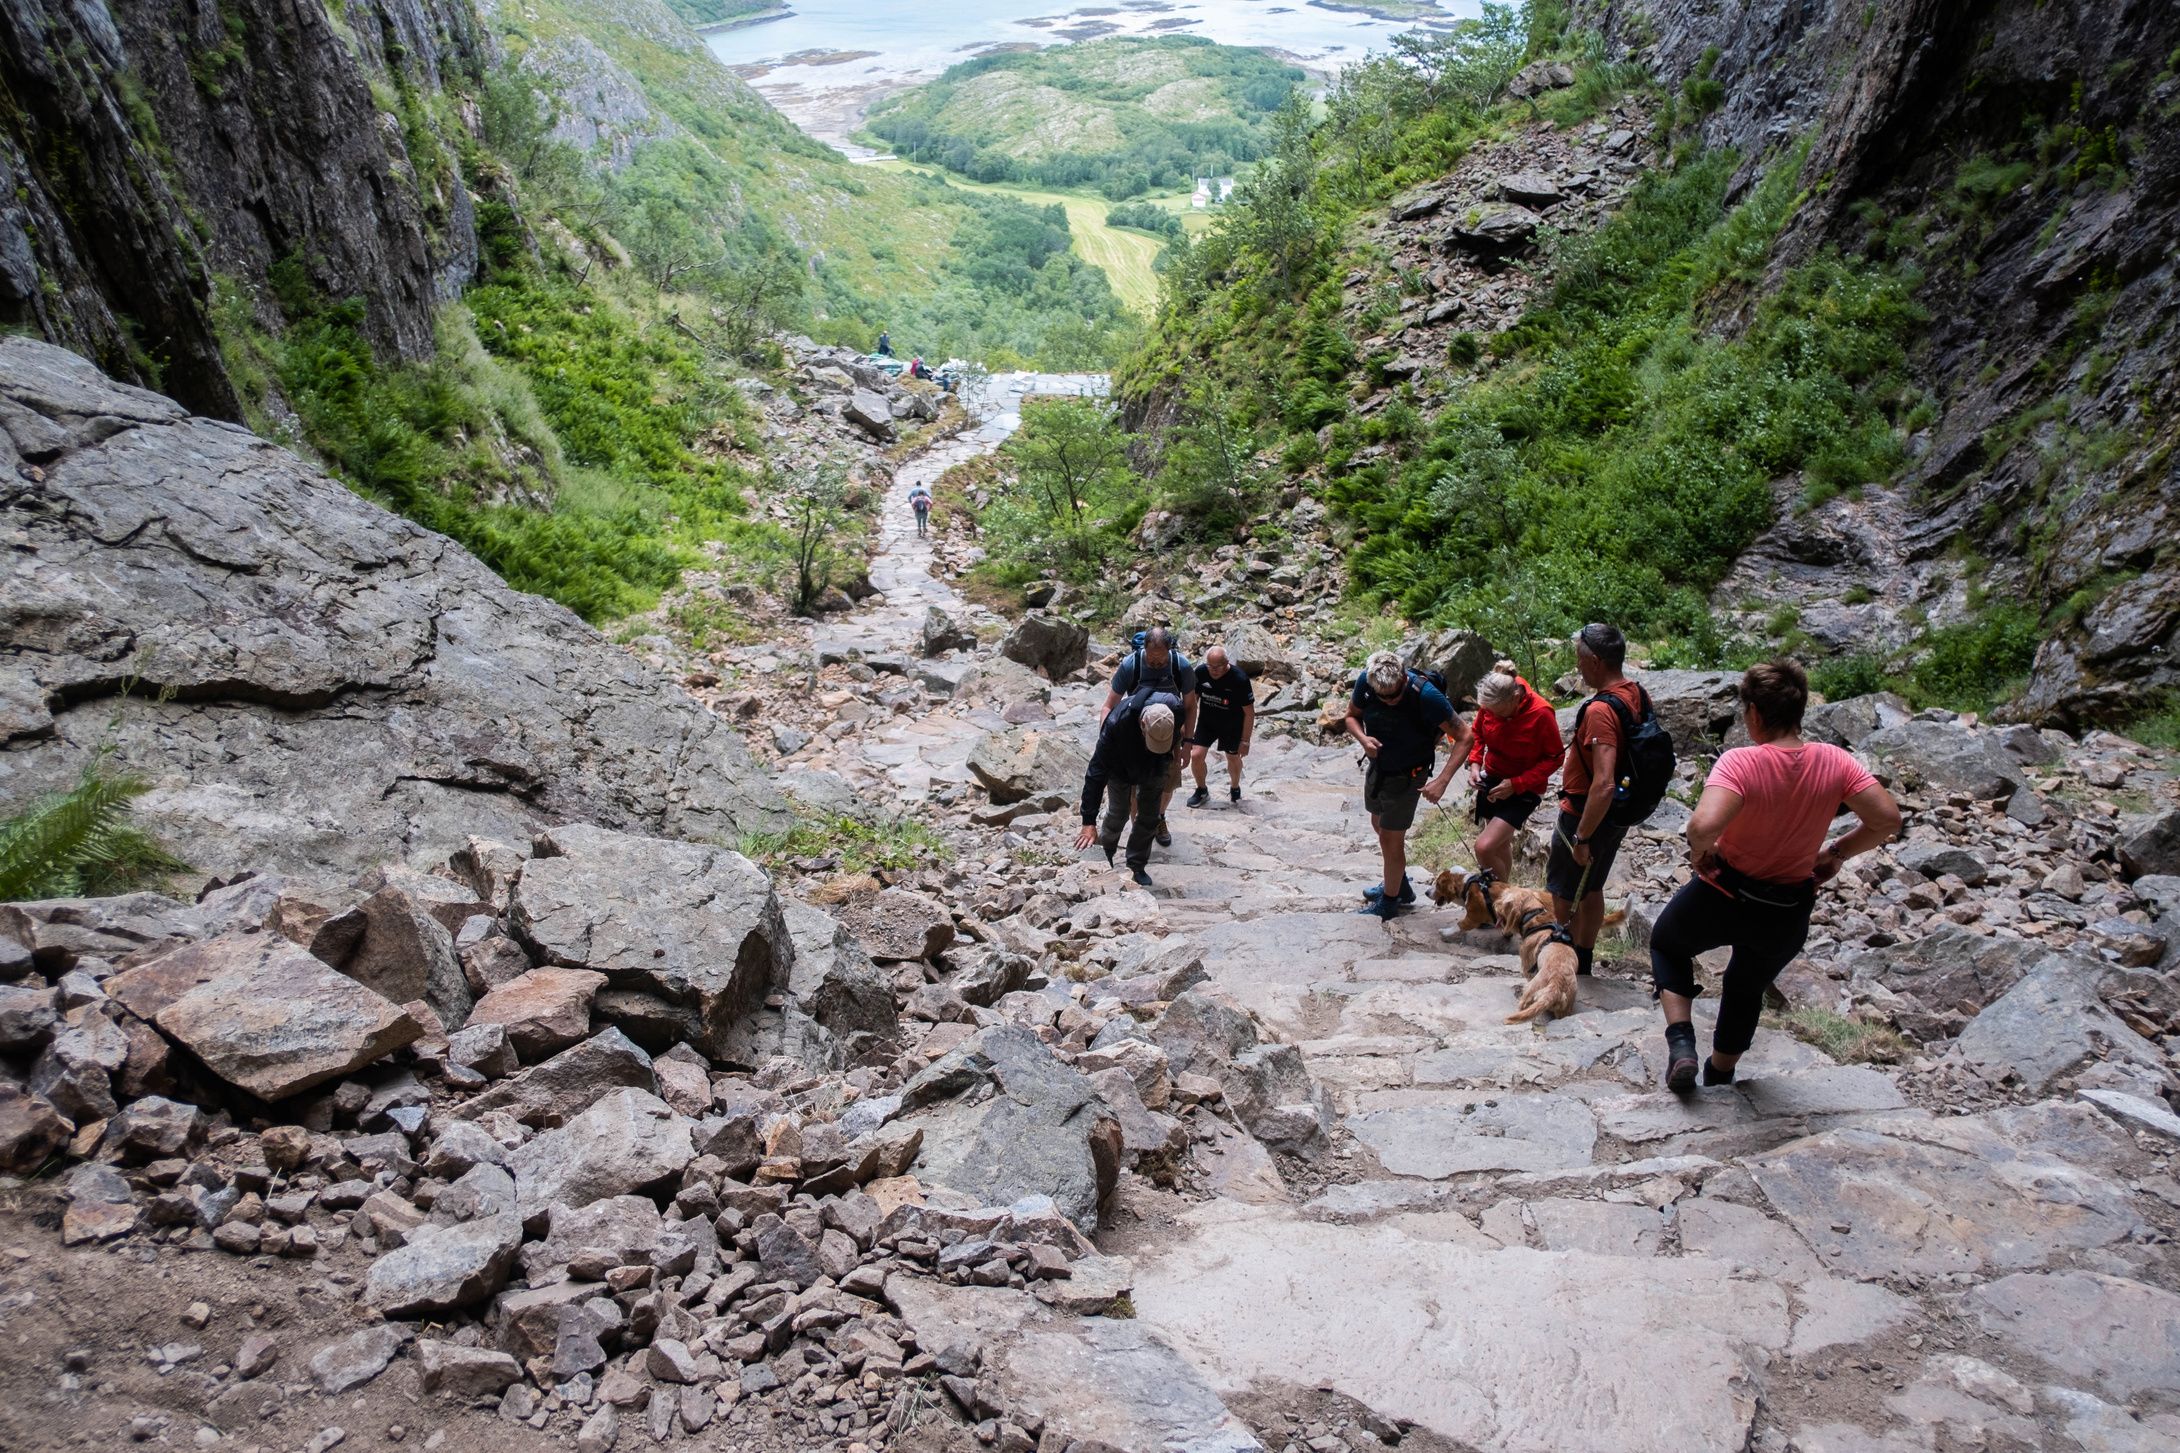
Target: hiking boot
x: 1376, y: 891
x: 1680, y: 1058
x: 1379, y: 908
x: 1141, y: 878
x: 1585, y: 961
x: 1164, y: 836
x: 1199, y: 797
x: 1713, y: 1075
x: 1233, y: 794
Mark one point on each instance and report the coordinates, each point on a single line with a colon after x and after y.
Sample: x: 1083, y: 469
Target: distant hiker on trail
x: 1155, y: 663
x: 1757, y: 842
x: 1397, y: 718
x: 1226, y: 718
x: 919, y: 500
x: 1130, y: 769
x: 1585, y: 841
x: 1517, y: 750
x: 885, y: 344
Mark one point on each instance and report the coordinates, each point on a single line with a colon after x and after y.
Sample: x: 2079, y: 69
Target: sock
x: 1583, y: 958
x: 1680, y: 1041
x: 1713, y: 1075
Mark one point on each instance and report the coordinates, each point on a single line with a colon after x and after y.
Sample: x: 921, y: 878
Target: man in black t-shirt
x: 1226, y: 718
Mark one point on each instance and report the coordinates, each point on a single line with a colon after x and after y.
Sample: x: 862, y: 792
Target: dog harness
x: 1558, y: 931
x: 1483, y: 878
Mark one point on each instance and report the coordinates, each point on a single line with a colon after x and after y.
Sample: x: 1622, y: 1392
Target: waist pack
x: 1761, y: 891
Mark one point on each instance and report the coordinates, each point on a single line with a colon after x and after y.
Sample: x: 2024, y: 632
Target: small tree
x: 1071, y: 476
x: 1209, y: 471
x: 816, y: 514
x: 755, y: 298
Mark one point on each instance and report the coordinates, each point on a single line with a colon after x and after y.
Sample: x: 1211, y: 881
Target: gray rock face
x: 1848, y: 723
x: 1951, y: 969
x: 272, y: 601
x: 270, y: 1019
x: 1496, y: 229
x: 1021, y: 762
x: 1697, y: 707
x: 442, y: 1268
x: 898, y: 925
x: 564, y: 1086
x: 870, y: 413
x: 2048, y: 1024
x: 393, y: 943
x: 696, y: 928
x: 943, y: 633
x: 628, y: 1140
x: 1002, y: 1118
x: 1253, y: 648
x: 2150, y: 844
x: 1048, y: 644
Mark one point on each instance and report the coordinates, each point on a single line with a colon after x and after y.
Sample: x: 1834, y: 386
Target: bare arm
x: 1457, y: 734
x: 1880, y: 824
x: 1367, y: 742
x: 1717, y: 807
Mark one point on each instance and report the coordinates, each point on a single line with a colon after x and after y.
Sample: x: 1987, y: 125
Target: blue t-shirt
x: 1408, y: 729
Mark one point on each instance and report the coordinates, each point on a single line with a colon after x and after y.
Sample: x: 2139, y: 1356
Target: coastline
x: 742, y: 22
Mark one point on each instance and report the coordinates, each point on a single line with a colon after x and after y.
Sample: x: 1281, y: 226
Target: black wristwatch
x: 1581, y: 840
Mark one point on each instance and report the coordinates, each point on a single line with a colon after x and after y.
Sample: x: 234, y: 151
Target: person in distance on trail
x: 1756, y: 841
x: 1584, y: 841
x: 1517, y: 749
x: 1397, y: 719
x: 919, y: 500
x: 1157, y: 664
x: 885, y: 344
x: 1129, y: 770
x: 1226, y: 718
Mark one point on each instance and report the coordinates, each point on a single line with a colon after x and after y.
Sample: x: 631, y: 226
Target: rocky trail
x: 584, y: 1130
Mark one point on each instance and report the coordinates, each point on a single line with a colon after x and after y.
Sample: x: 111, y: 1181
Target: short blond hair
x: 1385, y: 672
x: 1500, y: 687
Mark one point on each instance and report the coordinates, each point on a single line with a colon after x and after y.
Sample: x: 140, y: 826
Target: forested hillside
x: 1821, y: 385
x: 502, y: 267
x: 1123, y: 115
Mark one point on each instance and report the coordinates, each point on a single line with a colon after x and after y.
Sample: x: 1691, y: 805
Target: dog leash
x: 1582, y: 886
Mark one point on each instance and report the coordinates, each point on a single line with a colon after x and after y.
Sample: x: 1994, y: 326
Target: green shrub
x: 1836, y: 678
x: 82, y: 842
x: 1976, y: 662
x: 855, y: 846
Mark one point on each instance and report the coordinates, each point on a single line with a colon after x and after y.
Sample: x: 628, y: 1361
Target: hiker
x: 1131, y: 769
x: 1226, y: 718
x: 1397, y: 718
x: 1155, y: 663
x: 919, y: 500
x: 1586, y: 840
x: 1757, y: 842
x: 885, y: 344
x: 1517, y: 749
x: 915, y: 367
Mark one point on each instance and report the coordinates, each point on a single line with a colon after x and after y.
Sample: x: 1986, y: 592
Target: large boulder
x: 320, y: 677
x: 1950, y: 970
x: 564, y: 1086
x: 542, y: 1012
x: 1493, y: 229
x: 898, y: 925
x: 627, y: 1141
x: 1256, y: 651
x: 1462, y: 656
x: 2150, y: 844
x: 1049, y: 644
x: 2050, y: 1024
x: 1022, y: 762
x: 268, y: 1018
x: 834, y: 980
x: 1698, y: 707
x: 695, y: 929
x: 1849, y: 723
x: 1947, y: 757
x: 943, y: 633
x: 441, y: 1268
x: 869, y: 412
x: 1003, y: 1118
x: 397, y: 943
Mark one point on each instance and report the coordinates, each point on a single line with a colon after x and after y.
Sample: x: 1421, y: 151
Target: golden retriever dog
x: 1481, y: 896
x: 1548, y: 963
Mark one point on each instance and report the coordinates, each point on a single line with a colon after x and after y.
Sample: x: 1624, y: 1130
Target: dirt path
x: 1526, y: 1245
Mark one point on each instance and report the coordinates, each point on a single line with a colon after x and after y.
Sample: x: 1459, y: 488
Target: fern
x: 81, y: 842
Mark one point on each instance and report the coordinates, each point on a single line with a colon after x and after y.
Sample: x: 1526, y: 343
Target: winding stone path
x: 1530, y: 1246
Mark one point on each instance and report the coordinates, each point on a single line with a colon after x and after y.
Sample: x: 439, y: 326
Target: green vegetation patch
x: 82, y: 842
x: 891, y: 844
x: 1123, y: 115
x: 1849, y: 1041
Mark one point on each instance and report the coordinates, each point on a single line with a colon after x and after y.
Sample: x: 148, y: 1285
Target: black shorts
x: 1563, y: 875
x: 1220, y: 730
x: 1513, y: 811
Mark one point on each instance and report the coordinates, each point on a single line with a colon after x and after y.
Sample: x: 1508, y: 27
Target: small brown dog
x: 1481, y: 896
x: 1548, y: 962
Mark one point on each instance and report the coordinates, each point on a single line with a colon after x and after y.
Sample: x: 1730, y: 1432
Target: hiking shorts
x: 1221, y: 730
x: 1513, y: 811
x: 1562, y: 874
x: 1392, y: 796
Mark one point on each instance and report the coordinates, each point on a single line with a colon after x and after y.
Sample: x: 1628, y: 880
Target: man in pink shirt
x: 1757, y: 842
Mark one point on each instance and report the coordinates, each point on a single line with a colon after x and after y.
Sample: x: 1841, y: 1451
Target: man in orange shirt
x: 1584, y: 843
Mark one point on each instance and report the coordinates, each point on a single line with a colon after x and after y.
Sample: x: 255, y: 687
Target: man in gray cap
x: 1130, y: 770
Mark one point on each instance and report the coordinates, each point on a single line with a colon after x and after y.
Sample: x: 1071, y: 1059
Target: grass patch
x: 893, y: 844
x: 1849, y: 1041
x: 1442, y: 835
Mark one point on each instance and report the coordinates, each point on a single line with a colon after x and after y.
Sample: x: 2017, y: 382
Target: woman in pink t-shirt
x: 1757, y: 842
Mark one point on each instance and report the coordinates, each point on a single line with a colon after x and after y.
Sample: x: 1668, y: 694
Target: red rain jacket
x: 1524, y: 748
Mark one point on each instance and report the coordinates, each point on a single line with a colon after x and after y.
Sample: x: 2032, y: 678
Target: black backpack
x: 1646, y: 768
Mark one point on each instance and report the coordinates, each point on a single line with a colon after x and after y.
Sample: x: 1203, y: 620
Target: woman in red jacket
x: 1517, y: 748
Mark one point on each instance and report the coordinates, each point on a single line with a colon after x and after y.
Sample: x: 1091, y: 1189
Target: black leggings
x: 1764, y: 940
